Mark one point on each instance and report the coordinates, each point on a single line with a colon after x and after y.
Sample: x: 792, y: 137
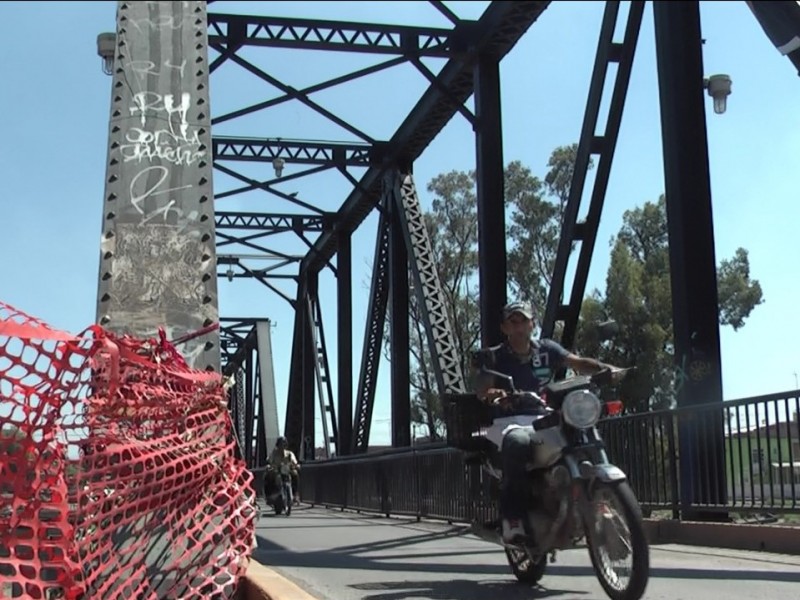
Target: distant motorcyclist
x: 285, y: 462
x: 532, y: 364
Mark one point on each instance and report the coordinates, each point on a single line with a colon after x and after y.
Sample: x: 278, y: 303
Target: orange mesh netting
x: 118, y: 477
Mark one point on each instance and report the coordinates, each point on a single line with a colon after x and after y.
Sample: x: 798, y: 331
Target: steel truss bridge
x: 154, y: 41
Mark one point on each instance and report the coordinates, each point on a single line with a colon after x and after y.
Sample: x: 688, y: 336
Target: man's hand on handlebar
x: 613, y: 374
x: 495, y: 396
x: 617, y: 374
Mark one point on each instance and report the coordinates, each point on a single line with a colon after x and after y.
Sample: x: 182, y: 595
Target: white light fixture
x: 719, y: 88
x: 277, y: 164
x: 106, y: 43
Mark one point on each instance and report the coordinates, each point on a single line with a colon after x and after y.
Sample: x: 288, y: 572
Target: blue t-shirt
x: 530, y: 373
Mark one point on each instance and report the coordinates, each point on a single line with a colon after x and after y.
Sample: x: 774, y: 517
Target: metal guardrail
x: 428, y: 481
x: 740, y: 456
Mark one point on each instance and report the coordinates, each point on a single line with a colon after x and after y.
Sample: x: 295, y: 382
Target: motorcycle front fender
x: 607, y: 473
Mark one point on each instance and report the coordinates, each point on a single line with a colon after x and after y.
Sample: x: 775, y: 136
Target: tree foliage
x: 532, y: 233
x: 638, y: 296
x: 535, y: 211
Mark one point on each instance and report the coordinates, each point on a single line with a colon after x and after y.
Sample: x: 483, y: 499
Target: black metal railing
x: 741, y: 456
x: 429, y: 481
x: 738, y: 456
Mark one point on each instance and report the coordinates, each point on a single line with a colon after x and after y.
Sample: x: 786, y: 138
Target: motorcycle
x: 574, y: 492
x: 278, y: 489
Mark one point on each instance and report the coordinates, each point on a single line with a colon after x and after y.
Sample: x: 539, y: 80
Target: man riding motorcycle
x: 531, y: 364
x: 283, y: 460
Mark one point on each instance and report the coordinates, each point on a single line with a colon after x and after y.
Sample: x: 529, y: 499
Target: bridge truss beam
x: 494, y: 34
x: 487, y: 39
x: 232, y: 32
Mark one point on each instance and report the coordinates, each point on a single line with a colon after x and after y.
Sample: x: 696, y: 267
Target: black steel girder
x: 272, y: 222
x: 324, y: 388
x: 235, y: 31
x: 235, y: 348
x: 244, y: 395
x: 235, y: 330
x: 781, y: 23
x: 265, y: 276
x: 399, y: 284
x: 262, y: 225
x: 344, y: 344
x: 292, y: 151
x: 427, y: 287
x: 490, y: 199
x: 692, y: 259
x: 603, y: 146
x: 373, y: 335
x: 495, y: 34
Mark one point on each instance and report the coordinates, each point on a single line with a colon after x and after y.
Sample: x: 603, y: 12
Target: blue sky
x: 54, y: 110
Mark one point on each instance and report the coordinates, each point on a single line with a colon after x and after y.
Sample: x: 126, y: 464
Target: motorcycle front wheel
x: 526, y: 569
x: 278, y: 504
x: 618, y: 535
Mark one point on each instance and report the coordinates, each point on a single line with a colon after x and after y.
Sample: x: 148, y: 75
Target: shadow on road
x: 682, y: 573
x: 457, y: 589
x: 274, y: 555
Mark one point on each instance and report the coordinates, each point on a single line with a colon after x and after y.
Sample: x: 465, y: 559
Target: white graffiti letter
x: 137, y: 199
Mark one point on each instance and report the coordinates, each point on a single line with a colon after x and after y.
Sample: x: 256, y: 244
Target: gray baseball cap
x: 523, y: 308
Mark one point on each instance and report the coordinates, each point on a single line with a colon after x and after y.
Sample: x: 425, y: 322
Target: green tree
x: 533, y: 230
x: 638, y: 297
x: 738, y: 294
x: 536, y: 211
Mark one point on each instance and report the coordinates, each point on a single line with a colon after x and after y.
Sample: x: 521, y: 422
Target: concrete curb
x: 262, y: 583
x: 761, y: 538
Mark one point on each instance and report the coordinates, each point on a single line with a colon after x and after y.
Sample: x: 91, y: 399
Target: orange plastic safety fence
x: 118, y: 477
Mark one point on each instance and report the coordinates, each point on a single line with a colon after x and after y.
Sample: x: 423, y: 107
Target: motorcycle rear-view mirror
x: 502, y: 381
x: 608, y: 377
x: 607, y: 330
x: 603, y: 377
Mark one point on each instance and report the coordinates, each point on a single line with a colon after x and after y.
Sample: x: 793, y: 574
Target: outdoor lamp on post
x: 719, y: 88
x: 277, y: 164
x: 105, y: 50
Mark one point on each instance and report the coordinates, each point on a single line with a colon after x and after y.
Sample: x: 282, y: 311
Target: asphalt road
x: 347, y: 556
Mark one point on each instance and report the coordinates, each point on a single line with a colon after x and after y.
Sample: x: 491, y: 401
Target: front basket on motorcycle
x: 464, y: 416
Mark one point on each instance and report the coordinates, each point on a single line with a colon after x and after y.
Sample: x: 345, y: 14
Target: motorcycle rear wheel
x: 525, y: 569
x: 638, y: 548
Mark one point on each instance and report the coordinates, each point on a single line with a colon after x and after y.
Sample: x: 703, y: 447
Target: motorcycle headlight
x: 581, y: 409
